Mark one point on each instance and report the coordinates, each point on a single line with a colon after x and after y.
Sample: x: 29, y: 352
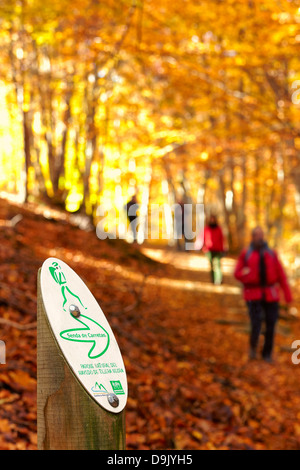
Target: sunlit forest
x: 194, y: 101
x: 100, y: 99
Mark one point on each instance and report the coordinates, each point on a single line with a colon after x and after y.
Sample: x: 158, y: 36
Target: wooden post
x: 68, y: 418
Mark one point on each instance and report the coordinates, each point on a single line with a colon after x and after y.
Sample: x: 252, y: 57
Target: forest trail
x: 184, y: 342
x: 226, y: 401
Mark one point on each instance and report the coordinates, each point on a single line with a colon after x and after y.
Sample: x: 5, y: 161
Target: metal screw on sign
x: 113, y: 400
x: 74, y: 310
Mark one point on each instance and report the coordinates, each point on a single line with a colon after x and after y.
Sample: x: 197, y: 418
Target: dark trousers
x: 133, y: 222
x: 260, y: 310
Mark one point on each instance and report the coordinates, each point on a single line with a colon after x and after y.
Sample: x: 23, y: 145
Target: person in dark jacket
x: 214, y: 247
x: 262, y: 275
x: 131, y: 210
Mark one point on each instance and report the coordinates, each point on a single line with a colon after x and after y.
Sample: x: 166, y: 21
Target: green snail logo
x: 90, y: 331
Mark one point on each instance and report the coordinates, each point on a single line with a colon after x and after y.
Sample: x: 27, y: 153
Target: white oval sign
x: 83, y: 334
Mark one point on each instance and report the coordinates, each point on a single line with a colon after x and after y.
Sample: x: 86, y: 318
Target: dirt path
x: 184, y: 343
x: 204, y: 394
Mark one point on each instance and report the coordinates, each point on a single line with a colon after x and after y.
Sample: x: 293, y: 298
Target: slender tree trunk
x: 256, y: 195
x: 27, y: 142
x: 225, y: 210
x: 59, y: 168
x: 18, y: 78
x: 241, y: 225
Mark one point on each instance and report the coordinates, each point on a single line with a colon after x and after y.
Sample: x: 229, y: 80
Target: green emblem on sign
x: 117, y: 387
x: 59, y: 277
x: 91, y: 331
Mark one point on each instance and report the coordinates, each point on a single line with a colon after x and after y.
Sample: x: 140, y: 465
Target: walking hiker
x: 131, y: 210
x: 214, y: 248
x: 262, y: 275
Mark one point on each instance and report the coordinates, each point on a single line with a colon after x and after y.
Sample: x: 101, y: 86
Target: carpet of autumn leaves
x: 184, y: 342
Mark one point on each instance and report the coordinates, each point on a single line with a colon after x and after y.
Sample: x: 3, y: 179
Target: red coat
x: 213, y: 239
x: 275, y: 276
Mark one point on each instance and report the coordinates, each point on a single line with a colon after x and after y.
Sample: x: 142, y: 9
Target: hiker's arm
x: 284, y: 282
x: 222, y: 239
x: 205, y: 237
x: 241, y: 271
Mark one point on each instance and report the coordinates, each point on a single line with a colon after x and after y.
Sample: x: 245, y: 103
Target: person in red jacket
x: 262, y: 275
x: 214, y: 247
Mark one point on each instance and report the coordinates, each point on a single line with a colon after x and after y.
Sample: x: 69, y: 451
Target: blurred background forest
x: 171, y: 99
